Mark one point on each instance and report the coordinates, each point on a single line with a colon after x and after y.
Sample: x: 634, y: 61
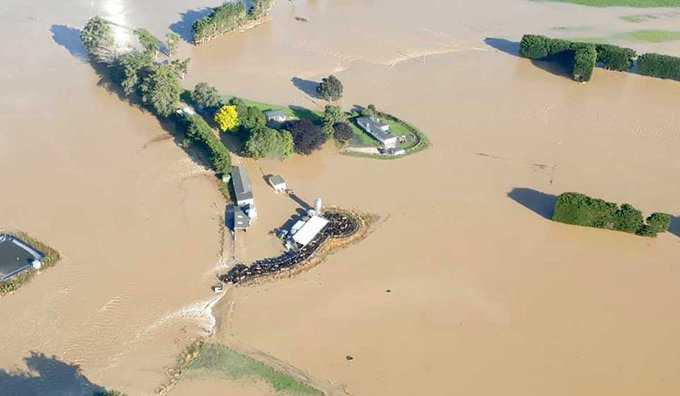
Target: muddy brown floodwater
x: 487, y: 296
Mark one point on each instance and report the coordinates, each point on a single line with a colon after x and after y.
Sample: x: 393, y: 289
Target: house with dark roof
x: 379, y: 130
x: 242, y: 188
x: 240, y: 220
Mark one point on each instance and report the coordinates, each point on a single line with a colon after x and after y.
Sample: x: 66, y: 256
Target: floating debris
x: 301, y: 19
x: 349, y: 357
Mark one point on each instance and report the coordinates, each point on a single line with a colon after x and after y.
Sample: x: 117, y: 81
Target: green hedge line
x: 579, y: 209
x: 661, y: 66
x: 581, y: 57
x: 199, y: 132
x: 227, y: 18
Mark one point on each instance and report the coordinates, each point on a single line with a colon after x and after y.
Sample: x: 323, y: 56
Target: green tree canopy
x: 251, y: 117
x: 331, y: 116
x: 160, y: 89
x: 343, y: 132
x: 330, y: 88
x: 206, y: 96
x: 172, y: 43
x: 269, y: 143
x: 150, y: 44
x: 97, y: 38
x: 128, y: 70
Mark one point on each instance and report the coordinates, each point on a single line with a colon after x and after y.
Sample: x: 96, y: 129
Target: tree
x: 172, y: 43
x: 330, y: 88
x: 206, y: 96
x: 369, y: 111
x: 128, y: 69
x: 160, y: 89
x: 628, y: 219
x: 307, y: 136
x: 659, y: 222
x: 97, y: 38
x: 180, y: 67
x: 343, y: 132
x: 331, y: 116
x: 150, y: 44
x: 251, y: 117
x: 269, y: 143
x: 227, y: 118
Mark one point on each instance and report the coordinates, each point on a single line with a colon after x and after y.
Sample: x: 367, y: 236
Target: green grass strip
x: 621, y: 3
x: 216, y: 360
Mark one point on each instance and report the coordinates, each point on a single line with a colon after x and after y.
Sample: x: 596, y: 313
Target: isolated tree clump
x: 307, y: 136
x: 171, y: 43
x: 265, y: 142
x: 97, y: 38
x: 128, y: 70
x: 205, y: 96
x: 343, y: 132
x: 580, y: 209
x: 330, y: 88
x: 227, y: 118
x: 150, y: 44
x: 660, y: 66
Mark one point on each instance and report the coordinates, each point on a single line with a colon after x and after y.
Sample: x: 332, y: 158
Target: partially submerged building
x: 278, y: 183
x: 16, y: 256
x: 276, y: 118
x: 240, y: 221
x: 304, y: 231
x: 379, y: 130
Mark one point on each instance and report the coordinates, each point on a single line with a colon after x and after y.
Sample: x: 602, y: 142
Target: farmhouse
x: 379, y: 130
x: 275, y: 118
x: 240, y: 221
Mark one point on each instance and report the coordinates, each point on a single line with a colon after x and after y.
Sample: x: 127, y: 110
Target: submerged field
x: 464, y: 279
x: 622, y: 3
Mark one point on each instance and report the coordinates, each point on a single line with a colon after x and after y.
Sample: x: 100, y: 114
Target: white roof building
x: 278, y: 183
x: 309, y: 230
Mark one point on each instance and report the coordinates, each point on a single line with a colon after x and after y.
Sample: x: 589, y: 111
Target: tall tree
x: 150, y: 44
x: 331, y: 116
x: 172, y: 43
x: 97, y: 38
x: 330, y: 88
x: 343, y: 132
x: 227, y: 118
x: 160, y: 89
x: 268, y: 143
x: 180, y: 67
x: 129, y: 68
x: 206, y: 96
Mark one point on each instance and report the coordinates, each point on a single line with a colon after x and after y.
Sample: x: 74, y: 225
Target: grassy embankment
x: 645, y: 36
x: 622, y: 3
x: 416, y: 141
x: 203, y: 359
x: 50, y: 259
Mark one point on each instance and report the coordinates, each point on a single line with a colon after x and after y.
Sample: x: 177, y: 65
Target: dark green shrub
x: 199, y: 132
x: 615, y: 58
x: 659, y: 222
x: 580, y: 209
x: 222, y: 19
x: 585, y: 56
x: 534, y: 47
x: 661, y: 66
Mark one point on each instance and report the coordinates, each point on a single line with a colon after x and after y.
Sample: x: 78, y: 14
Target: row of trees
x: 661, y: 66
x: 156, y: 84
x: 580, y: 209
x: 226, y: 18
x: 582, y: 57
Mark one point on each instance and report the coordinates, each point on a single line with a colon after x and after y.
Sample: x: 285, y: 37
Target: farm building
x: 242, y: 188
x: 278, y: 183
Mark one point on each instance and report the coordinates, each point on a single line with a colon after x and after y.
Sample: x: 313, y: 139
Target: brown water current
x: 486, y: 296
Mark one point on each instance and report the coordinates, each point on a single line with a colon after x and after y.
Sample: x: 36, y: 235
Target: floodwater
x: 486, y: 295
